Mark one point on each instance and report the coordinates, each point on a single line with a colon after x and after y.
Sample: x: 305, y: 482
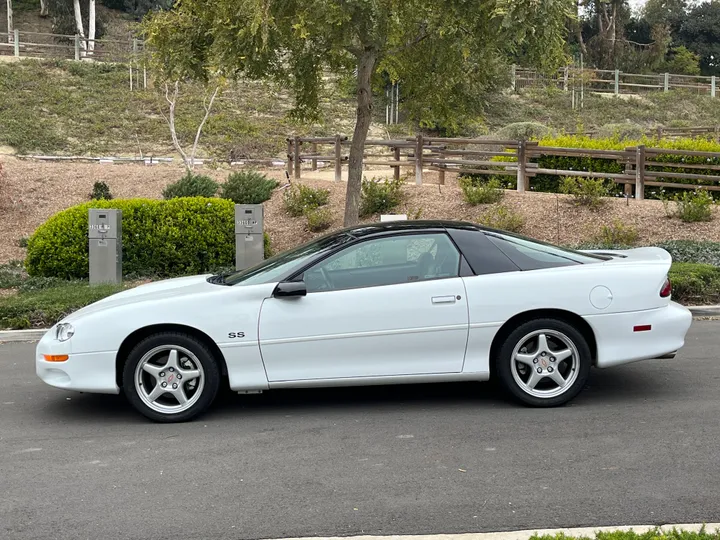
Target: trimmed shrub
x: 318, y: 219
x: 692, y: 251
x: 299, y: 199
x: 588, y: 192
x: 162, y: 238
x: 100, y: 191
x: 695, y: 284
x: 248, y: 187
x: 378, y: 197
x: 475, y: 193
x: 191, y: 185
x: 524, y: 131
x: 616, y: 234
x: 503, y: 218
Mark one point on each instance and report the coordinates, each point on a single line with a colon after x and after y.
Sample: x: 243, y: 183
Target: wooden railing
x: 44, y: 45
x: 613, y: 81
x: 517, y: 159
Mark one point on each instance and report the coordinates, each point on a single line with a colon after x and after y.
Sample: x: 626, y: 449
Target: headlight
x: 64, y: 331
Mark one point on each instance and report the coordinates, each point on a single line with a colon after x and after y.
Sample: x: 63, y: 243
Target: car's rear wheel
x: 544, y: 363
x: 171, y: 377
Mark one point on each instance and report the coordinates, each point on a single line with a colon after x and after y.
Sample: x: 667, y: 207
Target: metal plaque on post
x: 249, y: 244
x: 105, y: 237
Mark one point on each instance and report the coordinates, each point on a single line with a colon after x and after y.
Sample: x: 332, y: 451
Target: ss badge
x: 233, y: 335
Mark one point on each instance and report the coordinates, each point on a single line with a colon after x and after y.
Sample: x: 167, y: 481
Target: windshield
x: 274, y: 268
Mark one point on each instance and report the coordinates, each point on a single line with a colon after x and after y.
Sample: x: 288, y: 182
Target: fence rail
x: 616, y: 82
x: 44, y: 45
x: 517, y: 159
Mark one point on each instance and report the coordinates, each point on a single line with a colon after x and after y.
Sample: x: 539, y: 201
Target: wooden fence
x: 43, y: 45
x: 516, y: 159
x: 612, y: 81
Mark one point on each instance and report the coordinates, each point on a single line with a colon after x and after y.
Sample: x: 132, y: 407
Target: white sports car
x: 387, y: 303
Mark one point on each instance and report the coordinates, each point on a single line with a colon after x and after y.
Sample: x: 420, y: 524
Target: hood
x: 149, y: 292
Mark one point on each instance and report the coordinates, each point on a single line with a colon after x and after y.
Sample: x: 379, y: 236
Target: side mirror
x: 290, y: 289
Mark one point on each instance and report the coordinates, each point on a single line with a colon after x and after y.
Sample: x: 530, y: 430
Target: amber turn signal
x: 55, y: 357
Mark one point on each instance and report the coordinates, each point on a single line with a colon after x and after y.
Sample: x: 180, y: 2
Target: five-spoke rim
x: 545, y: 363
x: 169, y: 379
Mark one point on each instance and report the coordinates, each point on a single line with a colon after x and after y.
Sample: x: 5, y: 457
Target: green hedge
x: 695, y: 284
x: 549, y: 183
x: 160, y: 238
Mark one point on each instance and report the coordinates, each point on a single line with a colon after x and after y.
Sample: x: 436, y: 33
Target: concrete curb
x: 10, y: 336
x: 588, y: 532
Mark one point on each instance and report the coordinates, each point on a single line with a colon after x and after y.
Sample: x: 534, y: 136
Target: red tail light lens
x: 667, y: 289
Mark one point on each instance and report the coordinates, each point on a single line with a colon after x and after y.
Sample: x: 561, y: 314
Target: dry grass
x: 37, y: 190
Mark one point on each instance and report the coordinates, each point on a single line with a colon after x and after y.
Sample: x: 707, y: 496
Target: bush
x: 588, y: 192
x: 318, y: 219
x: 12, y: 275
x: 378, y: 197
x: 489, y: 192
x: 503, y: 218
x: 616, y: 234
x: 692, y: 251
x: 694, y: 206
x: 163, y: 238
x: 695, y: 284
x: 300, y: 199
x: 524, y: 131
x: 191, y: 185
x: 621, y: 132
x: 100, y: 191
x: 248, y: 187
x: 43, y: 308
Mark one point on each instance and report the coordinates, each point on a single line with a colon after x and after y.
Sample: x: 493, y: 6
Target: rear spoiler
x: 650, y: 255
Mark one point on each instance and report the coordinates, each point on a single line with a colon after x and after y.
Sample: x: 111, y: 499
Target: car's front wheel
x: 171, y: 377
x: 544, y: 363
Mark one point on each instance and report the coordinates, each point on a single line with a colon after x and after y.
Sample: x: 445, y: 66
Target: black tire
x: 504, y: 362
x: 210, y: 376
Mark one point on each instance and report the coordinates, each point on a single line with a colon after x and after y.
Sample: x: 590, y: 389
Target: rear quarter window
x: 530, y: 255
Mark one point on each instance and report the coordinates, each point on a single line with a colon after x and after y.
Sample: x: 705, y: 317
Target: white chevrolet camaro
x: 386, y: 303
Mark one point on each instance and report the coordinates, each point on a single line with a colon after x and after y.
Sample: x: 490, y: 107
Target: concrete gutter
x: 586, y: 532
x: 10, y: 336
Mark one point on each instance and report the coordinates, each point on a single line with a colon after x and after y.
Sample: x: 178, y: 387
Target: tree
x: 10, y: 21
x: 701, y: 34
x: 439, y: 47
x: 670, y: 13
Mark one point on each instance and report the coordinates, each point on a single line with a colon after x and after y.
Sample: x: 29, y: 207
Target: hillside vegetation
x: 70, y: 108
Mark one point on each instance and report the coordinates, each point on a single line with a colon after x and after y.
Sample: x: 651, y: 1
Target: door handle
x: 443, y: 299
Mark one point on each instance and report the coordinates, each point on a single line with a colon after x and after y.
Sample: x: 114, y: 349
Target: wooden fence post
x: 441, y: 172
x: 296, y: 155
x: 640, y: 172
x: 396, y: 172
x: 314, y: 160
x: 666, y: 83
x: 566, y: 72
x: 77, y: 48
x: 713, y: 85
x: 289, y: 157
x: 513, y: 75
x: 617, y: 82
x: 16, y: 43
x: 419, y: 146
x: 521, y: 160
x: 338, y: 158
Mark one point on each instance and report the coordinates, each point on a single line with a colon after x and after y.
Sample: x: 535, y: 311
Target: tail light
x: 666, y: 289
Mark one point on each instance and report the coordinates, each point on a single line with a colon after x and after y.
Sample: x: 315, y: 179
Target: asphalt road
x: 640, y: 445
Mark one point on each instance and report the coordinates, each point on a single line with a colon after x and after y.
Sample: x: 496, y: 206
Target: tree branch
x: 410, y: 43
x: 207, y: 113
x: 171, y: 122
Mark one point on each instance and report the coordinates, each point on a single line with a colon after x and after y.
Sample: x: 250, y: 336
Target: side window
x: 386, y: 261
x: 530, y: 257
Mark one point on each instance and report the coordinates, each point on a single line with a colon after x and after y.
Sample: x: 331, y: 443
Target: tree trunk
x: 79, y: 25
x: 91, y: 26
x: 11, y: 29
x: 43, y: 8
x: 363, y: 118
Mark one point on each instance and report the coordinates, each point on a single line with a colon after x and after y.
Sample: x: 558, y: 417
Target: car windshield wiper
x: 219, y: 279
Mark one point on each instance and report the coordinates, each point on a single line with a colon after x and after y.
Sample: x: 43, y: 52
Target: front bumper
x: 618, y: 343
x: 81, y: 372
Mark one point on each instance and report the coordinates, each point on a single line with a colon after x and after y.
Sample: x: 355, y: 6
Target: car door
x: 387, y: 306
